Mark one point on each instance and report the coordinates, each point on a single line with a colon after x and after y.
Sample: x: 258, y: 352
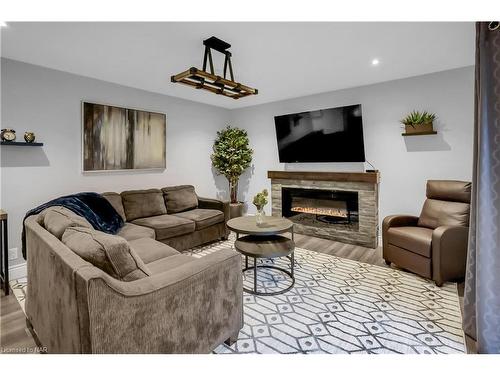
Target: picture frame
x: 116, y: 138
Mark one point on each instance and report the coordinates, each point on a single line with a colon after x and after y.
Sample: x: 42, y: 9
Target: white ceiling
x: 282, y: 60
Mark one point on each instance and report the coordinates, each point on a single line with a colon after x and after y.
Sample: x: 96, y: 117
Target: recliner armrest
x: 399, y: 221
x: 215, y: 204
x: 449, y: 253
x: 395, y: 221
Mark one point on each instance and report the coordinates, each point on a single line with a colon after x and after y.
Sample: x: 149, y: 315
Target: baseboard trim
x: 17, y: 271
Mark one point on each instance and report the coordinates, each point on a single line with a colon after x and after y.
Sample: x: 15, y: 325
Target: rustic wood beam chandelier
x: 201, y: 79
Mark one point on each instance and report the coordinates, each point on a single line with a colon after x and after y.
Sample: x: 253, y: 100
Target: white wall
x: 48, y: 102
x: 405, y: 163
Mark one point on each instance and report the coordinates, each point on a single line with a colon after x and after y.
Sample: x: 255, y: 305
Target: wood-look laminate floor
x: 14, y: 336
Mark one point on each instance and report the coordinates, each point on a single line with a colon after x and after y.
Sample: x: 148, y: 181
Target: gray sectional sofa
x: 134, y: 292
x: 173, y: 215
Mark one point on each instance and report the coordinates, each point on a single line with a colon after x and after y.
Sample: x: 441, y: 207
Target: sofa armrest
x: 215, y: 204
x: 449, y: 253
x: 189, y: 309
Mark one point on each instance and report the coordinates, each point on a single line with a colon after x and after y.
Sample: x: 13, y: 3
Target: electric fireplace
x: 338, y: 206
x: 321, y: 207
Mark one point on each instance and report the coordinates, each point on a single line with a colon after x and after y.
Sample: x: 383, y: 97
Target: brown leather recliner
x: 433, y: 245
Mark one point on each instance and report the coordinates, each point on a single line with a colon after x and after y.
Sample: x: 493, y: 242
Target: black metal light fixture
x: 201, y: 79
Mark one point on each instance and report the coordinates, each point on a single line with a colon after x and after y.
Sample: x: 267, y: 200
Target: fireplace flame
x: 336, y: 212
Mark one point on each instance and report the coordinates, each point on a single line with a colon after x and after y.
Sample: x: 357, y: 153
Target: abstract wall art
x: 116, y: 138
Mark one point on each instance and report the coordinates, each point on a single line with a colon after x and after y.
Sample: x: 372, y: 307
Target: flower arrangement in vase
x: 260, y: 200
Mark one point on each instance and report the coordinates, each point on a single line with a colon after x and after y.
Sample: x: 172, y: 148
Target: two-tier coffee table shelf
x: 264, y: 241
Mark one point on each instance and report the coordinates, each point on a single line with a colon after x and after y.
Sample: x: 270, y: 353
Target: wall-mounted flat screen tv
x: 326, y: 135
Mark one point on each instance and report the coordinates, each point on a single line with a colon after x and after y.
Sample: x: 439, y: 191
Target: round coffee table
x: 264, y: 241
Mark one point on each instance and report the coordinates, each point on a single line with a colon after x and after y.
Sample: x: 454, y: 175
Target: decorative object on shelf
x: 29, y: 137
x: 201, y: 79
x: 8, y: 135
x: 116, y: 138
x: 231, y: 157
x: 260, y: 200
x: 419, y: 123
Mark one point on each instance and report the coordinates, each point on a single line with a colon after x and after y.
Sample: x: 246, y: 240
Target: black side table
x: 4, y: 253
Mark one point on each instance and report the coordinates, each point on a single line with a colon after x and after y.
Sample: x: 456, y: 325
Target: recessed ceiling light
x: 375, y: 62
x: 3, y: 24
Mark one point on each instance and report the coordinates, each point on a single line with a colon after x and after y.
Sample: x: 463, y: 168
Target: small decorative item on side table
x: 4, y: 253
x: 29, y: 137
x: 8, y: 135
x: 260, y: 200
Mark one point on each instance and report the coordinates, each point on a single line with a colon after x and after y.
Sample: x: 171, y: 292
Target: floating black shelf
x: 421, y: 133
x: 3, y: 143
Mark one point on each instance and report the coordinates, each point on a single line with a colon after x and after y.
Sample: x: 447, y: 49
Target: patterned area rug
x: 341, y: 306
x: 19, y: 288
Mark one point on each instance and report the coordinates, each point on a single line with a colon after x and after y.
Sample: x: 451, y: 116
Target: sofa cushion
x: 169, y: 263
x: 180, y: 198
x: 436, y: 213
x: 150, y: 250
x: 132, y: 232
x: 57, y: 219
x: 115, y: 200
x: 414, y: 239
x: 110, y: 253
x: 203, y: 218
x: 167, y: 226
x: 143, y: 203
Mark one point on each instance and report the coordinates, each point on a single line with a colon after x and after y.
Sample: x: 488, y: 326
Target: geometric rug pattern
x: 340, y: 306
x: 343, y: 306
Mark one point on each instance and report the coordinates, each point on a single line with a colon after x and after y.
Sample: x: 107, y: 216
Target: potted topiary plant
x: 232, y: 155
x: 419, y: 122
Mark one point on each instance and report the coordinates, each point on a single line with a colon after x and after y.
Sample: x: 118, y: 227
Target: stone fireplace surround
x: 365, y: 184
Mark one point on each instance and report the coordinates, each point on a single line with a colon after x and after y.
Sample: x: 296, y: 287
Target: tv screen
x: 326, y: 135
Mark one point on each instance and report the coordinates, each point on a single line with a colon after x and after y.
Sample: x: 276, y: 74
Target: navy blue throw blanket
x: 92, y: 206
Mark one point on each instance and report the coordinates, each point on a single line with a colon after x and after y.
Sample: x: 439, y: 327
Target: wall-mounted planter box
x: 422, y: 129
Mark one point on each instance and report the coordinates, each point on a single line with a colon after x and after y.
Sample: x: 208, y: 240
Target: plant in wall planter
x: 419, y: 123
x: 231, y: 157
